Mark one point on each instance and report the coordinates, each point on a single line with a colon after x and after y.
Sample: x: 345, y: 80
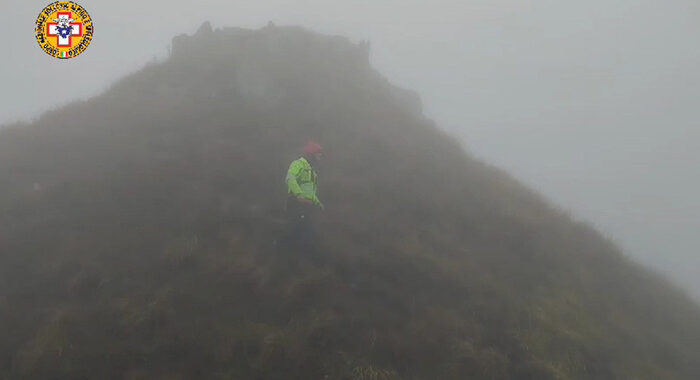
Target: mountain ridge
x: 141, y: 237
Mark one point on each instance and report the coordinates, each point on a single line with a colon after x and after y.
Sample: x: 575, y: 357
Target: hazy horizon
x: 590, y: 103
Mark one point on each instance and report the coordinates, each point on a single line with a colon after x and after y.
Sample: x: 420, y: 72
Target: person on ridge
x: 302, y: 199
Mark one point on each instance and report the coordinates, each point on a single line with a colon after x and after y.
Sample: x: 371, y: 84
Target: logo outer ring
x: 66, y: 40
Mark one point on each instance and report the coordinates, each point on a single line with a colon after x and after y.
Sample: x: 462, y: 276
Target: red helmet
x: 312, y: 147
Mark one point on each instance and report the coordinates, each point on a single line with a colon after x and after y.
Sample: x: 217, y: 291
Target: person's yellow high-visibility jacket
x: 302, y: 180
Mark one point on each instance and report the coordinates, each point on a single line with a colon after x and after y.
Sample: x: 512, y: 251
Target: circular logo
x: 64, y: 29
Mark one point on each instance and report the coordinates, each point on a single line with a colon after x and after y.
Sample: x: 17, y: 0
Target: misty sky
x: 594, y: 103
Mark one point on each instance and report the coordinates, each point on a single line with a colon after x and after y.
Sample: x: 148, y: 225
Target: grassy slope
x: 139, y: 238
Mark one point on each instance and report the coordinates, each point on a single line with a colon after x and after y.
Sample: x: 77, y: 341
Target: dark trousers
x: 301, y: 232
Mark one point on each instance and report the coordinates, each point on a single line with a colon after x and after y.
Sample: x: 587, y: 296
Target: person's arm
x: 317, y: 201
x: 292, y: 174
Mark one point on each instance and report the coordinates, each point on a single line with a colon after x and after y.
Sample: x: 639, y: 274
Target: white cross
x: 76, y: 30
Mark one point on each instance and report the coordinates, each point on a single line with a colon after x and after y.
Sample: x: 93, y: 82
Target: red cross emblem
x: 64, y: 29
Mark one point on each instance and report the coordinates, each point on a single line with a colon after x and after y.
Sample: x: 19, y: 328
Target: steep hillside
x: 140, y: 238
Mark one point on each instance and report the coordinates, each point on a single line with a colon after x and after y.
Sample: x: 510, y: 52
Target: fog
x: 592, y: 103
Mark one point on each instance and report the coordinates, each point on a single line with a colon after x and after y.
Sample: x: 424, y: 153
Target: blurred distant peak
x: 222, y: 42
x: 205, y: 28
x: 256, y: 58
